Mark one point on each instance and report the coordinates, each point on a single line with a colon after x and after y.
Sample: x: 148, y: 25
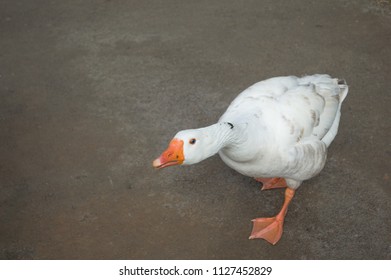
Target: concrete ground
x: 92, y: 91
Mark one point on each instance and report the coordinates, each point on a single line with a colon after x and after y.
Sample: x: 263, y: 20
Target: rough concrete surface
x: 92, y: 91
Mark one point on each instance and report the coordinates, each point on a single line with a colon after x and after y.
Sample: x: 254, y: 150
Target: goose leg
x: 272, y: 183
x: 271, y: 229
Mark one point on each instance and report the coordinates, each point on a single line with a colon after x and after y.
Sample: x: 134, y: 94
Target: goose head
x: 194, y: 145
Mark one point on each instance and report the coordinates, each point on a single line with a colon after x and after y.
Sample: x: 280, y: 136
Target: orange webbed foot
x: 271, y: 229
x: 272, y: 183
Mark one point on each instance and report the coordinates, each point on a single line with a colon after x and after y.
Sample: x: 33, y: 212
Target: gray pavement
x: 92, y: 91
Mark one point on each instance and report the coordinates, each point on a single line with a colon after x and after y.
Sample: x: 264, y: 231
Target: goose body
x: 287, y: 124
x: 277, y: 131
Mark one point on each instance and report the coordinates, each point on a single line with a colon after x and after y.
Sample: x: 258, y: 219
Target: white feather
x: 281, y: 128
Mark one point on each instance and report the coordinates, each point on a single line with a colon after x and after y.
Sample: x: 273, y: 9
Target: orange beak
x: 173, y: 155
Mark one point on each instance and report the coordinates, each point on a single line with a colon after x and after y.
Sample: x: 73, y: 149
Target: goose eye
x: 192, y: 141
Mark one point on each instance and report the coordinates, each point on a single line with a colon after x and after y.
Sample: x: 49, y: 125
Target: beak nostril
x: 173, y: 155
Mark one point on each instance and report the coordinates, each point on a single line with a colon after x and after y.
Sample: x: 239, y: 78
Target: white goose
x: 276, y: 131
